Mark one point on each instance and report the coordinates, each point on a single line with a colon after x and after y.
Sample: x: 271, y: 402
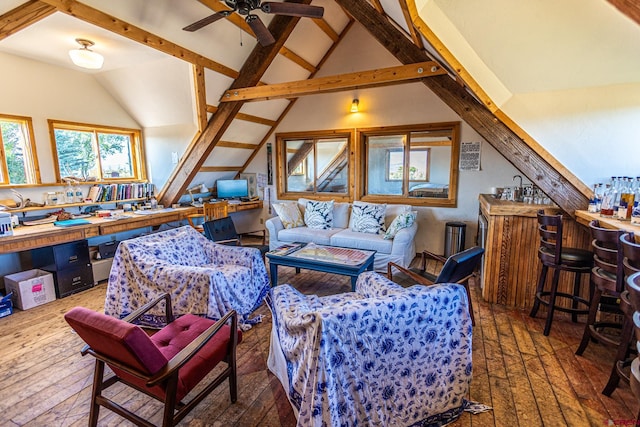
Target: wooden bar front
x: 511, y: 265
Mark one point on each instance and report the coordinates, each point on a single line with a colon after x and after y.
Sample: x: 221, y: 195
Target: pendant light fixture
x: 85, y: 57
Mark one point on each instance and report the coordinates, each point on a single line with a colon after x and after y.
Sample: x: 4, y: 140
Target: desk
x: 35, y: 236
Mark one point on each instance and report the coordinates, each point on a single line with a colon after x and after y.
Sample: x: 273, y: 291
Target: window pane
x: 385, y: 153
x: 115, y: 155
x: 299, y: 155
x: 333, y: 161
x: 77, y: 154
x: 14, y: 139
x: 418, y: 163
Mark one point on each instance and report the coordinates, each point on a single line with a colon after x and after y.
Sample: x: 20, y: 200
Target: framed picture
x: 252, y: 181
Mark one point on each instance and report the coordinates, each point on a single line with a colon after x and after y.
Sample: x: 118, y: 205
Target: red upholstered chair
x: 166, y: 365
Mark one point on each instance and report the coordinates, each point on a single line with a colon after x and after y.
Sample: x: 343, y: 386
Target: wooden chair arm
x: 192, y: 349
x: 224, y: 242
x: 135, y: 315
x: 427, y: 254
x: 418, y: 278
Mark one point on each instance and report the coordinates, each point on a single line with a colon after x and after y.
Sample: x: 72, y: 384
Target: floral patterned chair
x: 202, y: 277
x: 382, y: 355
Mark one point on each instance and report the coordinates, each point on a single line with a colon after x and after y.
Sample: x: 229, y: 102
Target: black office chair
x: 222, y: 230
x: 458, y: 268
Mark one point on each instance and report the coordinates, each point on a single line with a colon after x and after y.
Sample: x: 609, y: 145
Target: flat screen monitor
x: 232, y: 188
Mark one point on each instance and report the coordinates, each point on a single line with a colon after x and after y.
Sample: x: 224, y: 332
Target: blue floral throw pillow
x: 403, y: 220
x: 319, y: 215
x: 368, y: 217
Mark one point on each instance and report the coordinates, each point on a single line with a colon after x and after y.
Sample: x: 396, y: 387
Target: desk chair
x: 210, y: 211
x: 166, y: 366
x: 608, y: 278
x: 222, y: 230
x: 458, y: 268
x: 553, y: 254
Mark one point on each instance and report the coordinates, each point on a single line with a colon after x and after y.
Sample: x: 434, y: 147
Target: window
x: 18, y: 160
x: 314, y: 163
x: 415, y: 164
x: 90, y: 152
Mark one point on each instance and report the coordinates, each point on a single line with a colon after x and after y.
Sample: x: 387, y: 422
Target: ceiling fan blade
x: 206, y: 21
x: 260, y: 30
x: 292, y: 9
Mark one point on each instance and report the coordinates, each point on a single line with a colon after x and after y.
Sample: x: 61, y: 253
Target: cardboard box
x: 6, y: 307
x: 30, y: 288
x: 101, y: 269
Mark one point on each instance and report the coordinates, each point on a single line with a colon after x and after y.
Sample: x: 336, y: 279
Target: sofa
x: 380, y: 356
x: 399, y: 249
x: 202, y: 277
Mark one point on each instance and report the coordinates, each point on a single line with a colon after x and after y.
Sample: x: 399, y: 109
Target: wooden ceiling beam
x: 415, y: 35
x: 125, y: 29
x: 239, y: 145
x: 22, y: 16
x: 538, y: 169
x: 631, y: 8
x: 341, y: 82
x: 252, y: 70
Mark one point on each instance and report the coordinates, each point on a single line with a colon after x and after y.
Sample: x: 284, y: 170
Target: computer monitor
x: 232, y: 188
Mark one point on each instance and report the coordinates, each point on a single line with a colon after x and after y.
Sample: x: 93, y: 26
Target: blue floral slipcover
x: 380, y: 356
x: 202, y: 277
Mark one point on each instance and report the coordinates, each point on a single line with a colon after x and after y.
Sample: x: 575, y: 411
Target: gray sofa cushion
x: 356, y: 240
x: 306, y: 235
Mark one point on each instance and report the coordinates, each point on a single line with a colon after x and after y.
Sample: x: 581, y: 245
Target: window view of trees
x: 16, y: 156
x: 90, y: 153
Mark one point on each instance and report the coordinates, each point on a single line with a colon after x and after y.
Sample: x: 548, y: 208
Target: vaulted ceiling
x: 140, y: 40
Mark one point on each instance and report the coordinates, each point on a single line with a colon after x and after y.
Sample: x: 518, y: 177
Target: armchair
x: 382, y: 355
x: 202, y: 277
x: 165, y: 366
x: 458, y: 268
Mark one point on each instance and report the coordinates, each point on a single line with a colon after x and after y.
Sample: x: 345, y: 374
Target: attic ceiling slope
x: 501, y: 137
x: 252, y: 71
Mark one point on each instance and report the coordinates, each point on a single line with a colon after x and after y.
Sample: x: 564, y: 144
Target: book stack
x: 286, y: 249
x: 115, y: 192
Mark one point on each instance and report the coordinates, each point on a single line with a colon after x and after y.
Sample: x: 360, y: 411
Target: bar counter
x: 511, y: 266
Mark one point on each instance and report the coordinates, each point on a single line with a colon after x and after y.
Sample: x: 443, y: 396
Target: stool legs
x: 591, y: 319
x: 553, y: 294
x: 623, y: 351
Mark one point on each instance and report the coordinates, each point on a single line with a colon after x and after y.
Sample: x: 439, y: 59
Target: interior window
x: 314, y: 164
x: 415, y: 164
x: 18, y: 160
x: 90, y: 152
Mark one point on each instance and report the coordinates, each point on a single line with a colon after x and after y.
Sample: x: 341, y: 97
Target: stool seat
x: 553, y: 255
x: 576, y: 257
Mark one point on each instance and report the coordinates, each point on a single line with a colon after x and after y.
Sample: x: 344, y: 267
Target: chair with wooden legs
x: 458, y: 268
x: 631, y: 265
x: 553, y: 254
x: 607, y: 277
x: 210, y: 211
x: 166, y: 366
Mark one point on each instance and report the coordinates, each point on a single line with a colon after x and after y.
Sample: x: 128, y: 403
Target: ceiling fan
x: 245, y: 8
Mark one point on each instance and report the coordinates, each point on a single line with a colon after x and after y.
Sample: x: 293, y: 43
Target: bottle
x: 598, y: 197
x: 626, y: 200
x: 606, y: 208
x: 153, y: 201
x: 615, y: 194
x: 636, y: 199
x: 593, y: 200
x: 78, y: 196
x: 68, y: 193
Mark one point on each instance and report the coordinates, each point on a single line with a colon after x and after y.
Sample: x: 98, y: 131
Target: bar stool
x: 608, y: 278
x: 553, y: 255
x: 633, y: 288
x: 631, y: 265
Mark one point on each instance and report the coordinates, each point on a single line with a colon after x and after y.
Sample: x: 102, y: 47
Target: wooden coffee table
x: 328, y: 259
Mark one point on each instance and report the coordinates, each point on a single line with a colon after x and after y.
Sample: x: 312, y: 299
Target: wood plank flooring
x: 528, y: 379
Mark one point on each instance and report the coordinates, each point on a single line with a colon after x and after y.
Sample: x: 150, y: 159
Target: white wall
x: 406, y: 104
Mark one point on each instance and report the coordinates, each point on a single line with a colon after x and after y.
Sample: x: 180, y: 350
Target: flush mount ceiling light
x: 85, y: 57
x: 354, y: 105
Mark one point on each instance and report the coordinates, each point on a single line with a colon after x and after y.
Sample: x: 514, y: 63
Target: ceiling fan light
x: 84, y: 57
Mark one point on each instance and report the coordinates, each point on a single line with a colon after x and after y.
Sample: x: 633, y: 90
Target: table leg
x: 273, y: 270
x: 353, y: 283
x: 297, y: 270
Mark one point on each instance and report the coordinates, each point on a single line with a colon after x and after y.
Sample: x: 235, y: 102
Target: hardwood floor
x: 528, y: 379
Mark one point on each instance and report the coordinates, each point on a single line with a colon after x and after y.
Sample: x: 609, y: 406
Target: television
x: 232, y: 188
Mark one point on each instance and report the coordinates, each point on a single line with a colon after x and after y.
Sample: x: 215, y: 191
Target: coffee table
x: 328, y: 259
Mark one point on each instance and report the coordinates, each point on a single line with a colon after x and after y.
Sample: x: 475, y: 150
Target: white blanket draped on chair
x: 202, y: 277
x: 382, y: 355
